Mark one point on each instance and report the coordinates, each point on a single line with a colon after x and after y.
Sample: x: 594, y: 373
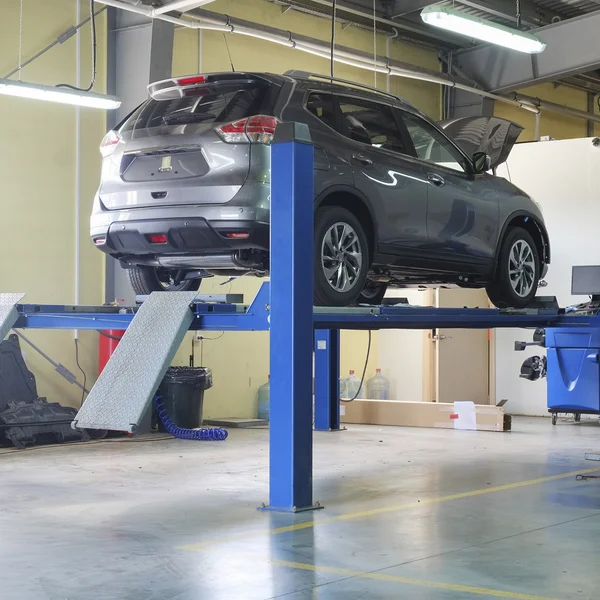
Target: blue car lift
x: 296, y: 328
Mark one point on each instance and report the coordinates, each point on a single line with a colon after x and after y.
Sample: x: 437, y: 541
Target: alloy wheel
x: 341, y: 257
x: 521, y: 268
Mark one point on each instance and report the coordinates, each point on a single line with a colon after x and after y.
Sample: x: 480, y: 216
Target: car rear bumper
x: 188, y: 230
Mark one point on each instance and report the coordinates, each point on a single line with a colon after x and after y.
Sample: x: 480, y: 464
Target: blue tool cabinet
x: 573, y: 370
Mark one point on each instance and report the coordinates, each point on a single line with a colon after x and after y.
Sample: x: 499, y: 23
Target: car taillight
x: 107, y: 145
x: 157, y: 238
x: 237, y: 235
x: 193, y: 80
x: 258, y: 129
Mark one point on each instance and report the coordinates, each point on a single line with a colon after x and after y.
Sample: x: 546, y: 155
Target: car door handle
x: 435, y: 179
x: 361, y: 158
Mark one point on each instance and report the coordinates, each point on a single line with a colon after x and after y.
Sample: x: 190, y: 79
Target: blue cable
x: 203, y: 434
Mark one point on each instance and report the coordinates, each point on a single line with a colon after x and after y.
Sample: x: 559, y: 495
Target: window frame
x: 468, y: 170
x: 403, y: 134
x: 336, y: 108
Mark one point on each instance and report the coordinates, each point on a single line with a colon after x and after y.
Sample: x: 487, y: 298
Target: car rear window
x: 212, y: 103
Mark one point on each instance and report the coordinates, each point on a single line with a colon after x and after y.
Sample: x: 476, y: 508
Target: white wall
x: 563, y: 176
x: 401, y: 352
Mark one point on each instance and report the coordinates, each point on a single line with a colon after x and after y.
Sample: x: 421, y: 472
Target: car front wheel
x: 145, y: 280
x: 517, y: 271
x: 341, y: 257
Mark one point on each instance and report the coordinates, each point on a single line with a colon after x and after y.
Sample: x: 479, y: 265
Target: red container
x: 108, y: 340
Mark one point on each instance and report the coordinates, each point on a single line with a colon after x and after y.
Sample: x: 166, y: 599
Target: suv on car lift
x: 185, y: 191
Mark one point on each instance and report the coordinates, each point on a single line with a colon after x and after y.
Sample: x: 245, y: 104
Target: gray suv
x: 399, y: 199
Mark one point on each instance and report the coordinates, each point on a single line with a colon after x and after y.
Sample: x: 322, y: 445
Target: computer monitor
x: 585, y: 281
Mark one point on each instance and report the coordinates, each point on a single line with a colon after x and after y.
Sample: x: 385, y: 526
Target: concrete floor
x: 410, y: 513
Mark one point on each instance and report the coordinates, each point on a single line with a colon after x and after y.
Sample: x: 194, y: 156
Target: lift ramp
x: 126, y: 386
x: 8, y: 312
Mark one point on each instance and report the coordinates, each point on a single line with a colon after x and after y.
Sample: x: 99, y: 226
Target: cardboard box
x: 459, y: 415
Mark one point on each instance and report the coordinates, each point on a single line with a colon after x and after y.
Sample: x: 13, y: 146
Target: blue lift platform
x: 284, y: 307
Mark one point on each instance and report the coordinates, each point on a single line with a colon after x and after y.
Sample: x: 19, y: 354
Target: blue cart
x: 573, y: 371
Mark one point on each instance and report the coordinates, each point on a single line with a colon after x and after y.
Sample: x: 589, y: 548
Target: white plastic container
x: 378, y: 387
x: 353, y: 388
x: 264, y: 400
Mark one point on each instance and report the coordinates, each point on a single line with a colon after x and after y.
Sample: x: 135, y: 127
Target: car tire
x: 340, y: 270
x: 145, y: 280
x: 517, y: 271
x: 372, y: 294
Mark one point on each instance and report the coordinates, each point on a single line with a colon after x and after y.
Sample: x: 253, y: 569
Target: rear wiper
x: 188, y: 118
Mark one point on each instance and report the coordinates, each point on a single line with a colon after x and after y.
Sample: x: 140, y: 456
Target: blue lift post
x: 327, y: 382
x: 291, y: 319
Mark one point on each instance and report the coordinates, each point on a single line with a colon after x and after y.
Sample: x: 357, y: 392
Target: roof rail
x: 299, y: 74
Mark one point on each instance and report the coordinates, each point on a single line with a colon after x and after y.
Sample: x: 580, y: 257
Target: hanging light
x: 458, y: 22
x: 57, y: 94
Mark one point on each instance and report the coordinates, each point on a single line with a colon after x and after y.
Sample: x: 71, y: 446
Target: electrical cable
x: 82, y: 371
x: 374, y: 43
x: 202, y: 434
x: 20, y: 38
x: 229, y: 53
x: 93, y: 34
x: 108, y: 335
x: 333, y: 16
x: 362, y: 379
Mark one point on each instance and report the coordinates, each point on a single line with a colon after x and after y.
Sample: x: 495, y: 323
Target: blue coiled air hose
x: 203, y: 434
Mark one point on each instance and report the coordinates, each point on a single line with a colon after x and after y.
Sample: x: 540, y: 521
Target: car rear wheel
x: 517, y: 271
x: 145, y: 280
x: 341, y: 257
x: 373, y: 294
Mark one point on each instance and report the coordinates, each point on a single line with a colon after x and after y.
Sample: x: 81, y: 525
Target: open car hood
x: 491, y: 135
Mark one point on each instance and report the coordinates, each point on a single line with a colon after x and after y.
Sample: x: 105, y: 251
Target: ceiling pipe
x: 406, y: 26
x: 347, y: 56
x: 179, y: 5
x: 152, y: 14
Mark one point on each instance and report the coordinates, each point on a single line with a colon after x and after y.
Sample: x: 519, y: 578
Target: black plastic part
x: 17, y: 382
x: 39, y: 423
x: 26, y: 419
x: 184, y: 236
x: 290, y: 131
x: 182, y: 395
x: 533, y: 368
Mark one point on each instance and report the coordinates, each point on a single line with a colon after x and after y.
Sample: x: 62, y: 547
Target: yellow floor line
x: 361, y: 514
x: 453, y: 587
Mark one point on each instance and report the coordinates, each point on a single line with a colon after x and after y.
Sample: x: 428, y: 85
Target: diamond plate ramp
x: 131, y: 377
x: 8, y: 312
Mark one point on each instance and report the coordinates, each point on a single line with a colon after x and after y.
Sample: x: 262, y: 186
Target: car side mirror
x: 481, y: 162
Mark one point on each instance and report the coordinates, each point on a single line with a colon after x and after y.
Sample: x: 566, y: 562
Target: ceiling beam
x: 531, y: 15
x: 180, y: 5
x: 400, y: 8
x: 570, y: 50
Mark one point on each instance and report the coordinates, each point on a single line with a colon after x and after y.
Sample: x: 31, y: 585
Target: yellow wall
x: 554, y: 124
x: 37, y: 158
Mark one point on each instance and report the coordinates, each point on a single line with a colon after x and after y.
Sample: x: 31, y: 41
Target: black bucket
x: 182, y: 394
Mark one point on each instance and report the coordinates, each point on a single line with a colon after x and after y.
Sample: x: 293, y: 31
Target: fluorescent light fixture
x: 481, y: 29
x: 57, y: 94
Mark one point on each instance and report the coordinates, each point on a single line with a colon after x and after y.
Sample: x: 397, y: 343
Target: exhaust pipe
x: 219, y: 261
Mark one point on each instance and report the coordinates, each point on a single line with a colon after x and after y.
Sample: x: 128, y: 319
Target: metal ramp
x: 8, y: 312
x: 127, y: 385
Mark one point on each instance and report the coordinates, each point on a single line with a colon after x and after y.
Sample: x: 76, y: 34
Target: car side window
x: 322, y: 106
x: 431, y: 145
x: 371, y: 123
